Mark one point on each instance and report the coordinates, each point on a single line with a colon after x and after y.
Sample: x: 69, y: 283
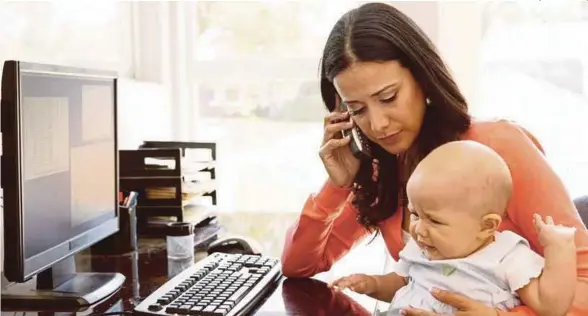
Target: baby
x: 457, y: 197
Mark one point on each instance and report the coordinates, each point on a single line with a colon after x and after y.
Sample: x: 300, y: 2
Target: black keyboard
x: 219, y: 285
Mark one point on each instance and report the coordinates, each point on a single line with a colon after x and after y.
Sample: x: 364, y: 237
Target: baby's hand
x: 359, y: 283
x: 551, y: 234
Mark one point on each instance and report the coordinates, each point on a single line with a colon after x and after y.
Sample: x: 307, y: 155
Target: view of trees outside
x: 260, y: 59
x: 274, y: 29
x: 257, y: 66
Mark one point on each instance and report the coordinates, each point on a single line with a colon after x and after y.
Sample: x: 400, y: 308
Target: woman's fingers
x: 335, y: 117
x: 333, y: 144
x: 335, y: 122
x: 334, y: 130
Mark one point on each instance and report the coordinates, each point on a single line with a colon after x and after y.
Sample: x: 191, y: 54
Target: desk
x: 147, y: 269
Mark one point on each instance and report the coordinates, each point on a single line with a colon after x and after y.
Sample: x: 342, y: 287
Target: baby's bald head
x: 463, y: 173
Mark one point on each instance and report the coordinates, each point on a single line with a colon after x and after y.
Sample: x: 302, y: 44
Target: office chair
x: 582, y: 207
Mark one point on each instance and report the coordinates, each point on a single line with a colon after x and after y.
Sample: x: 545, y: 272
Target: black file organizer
x: 137, y: 175
x: 183, y: 146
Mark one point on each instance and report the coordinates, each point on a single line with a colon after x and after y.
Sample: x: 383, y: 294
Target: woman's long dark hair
x: 379, y: 32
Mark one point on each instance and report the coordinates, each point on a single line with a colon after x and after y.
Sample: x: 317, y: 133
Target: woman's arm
x: 537, y: 189
x: 325, y: 231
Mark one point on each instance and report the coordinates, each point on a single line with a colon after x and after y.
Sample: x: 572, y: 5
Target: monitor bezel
x: 17, y: 268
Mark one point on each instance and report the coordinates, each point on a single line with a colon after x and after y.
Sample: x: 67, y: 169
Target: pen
x: 130, y: 204
x: 132, y: 199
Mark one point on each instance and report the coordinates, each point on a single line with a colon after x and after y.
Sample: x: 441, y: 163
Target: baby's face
x: 456, y: 197
x: 444, y: 229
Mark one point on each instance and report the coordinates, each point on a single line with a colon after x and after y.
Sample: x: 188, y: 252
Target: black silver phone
x: 360, y: 148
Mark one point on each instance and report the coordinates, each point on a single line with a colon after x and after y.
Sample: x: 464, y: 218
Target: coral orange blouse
x: 327, y: 228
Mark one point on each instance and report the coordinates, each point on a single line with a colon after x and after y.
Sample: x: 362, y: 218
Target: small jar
x: 180, y: 241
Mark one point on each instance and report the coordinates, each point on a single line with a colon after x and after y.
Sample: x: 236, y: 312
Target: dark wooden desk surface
x: 148, y: 268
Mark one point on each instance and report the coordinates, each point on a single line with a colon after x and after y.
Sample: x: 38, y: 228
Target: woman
x: 403, y: 99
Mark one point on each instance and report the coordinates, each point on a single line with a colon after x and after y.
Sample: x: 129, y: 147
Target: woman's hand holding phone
x: 335, y: 153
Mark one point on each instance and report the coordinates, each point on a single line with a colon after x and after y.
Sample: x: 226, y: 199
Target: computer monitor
x: 60, y: 181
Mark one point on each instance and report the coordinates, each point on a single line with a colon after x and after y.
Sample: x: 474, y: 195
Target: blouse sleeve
x: 520, y: 266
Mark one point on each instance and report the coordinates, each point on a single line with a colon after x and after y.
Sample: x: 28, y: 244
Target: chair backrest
x: 582, y: 207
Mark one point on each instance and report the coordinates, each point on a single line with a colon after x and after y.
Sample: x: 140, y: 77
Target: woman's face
x: 387, y: 102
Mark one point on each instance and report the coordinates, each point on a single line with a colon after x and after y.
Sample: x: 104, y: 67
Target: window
x: 85, y: 34
x: 535, y: 71
x: 255, y: 70
x: 257, y: 94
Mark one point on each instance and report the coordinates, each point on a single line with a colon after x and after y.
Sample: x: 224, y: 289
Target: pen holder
x: 123, y: 241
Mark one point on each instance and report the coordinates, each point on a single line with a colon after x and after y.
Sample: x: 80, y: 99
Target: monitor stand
x: 60, y: 288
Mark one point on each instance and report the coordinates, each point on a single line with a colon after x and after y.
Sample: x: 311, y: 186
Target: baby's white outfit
x: 491, y: 275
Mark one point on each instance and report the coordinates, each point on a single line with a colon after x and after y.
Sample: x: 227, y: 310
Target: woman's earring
x: 428, y: 101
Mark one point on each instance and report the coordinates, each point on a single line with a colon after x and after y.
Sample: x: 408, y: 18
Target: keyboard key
x: 154, y: 307
x: 236, y: 297
x: 209, y: 308
x: 184, y: 309
x: 196, y: 310
x: 172, y: 309
x: 220, y: 311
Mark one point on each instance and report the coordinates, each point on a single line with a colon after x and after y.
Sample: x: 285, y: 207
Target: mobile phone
x: 360, y: 148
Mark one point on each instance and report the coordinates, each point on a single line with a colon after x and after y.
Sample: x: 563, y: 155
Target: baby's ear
x: 490, y: 223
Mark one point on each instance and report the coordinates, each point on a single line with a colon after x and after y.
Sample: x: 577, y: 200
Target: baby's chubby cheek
x: 412, y: 230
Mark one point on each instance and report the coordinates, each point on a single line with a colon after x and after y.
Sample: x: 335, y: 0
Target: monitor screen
x: 68, y: 157
x: 59, y: 163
